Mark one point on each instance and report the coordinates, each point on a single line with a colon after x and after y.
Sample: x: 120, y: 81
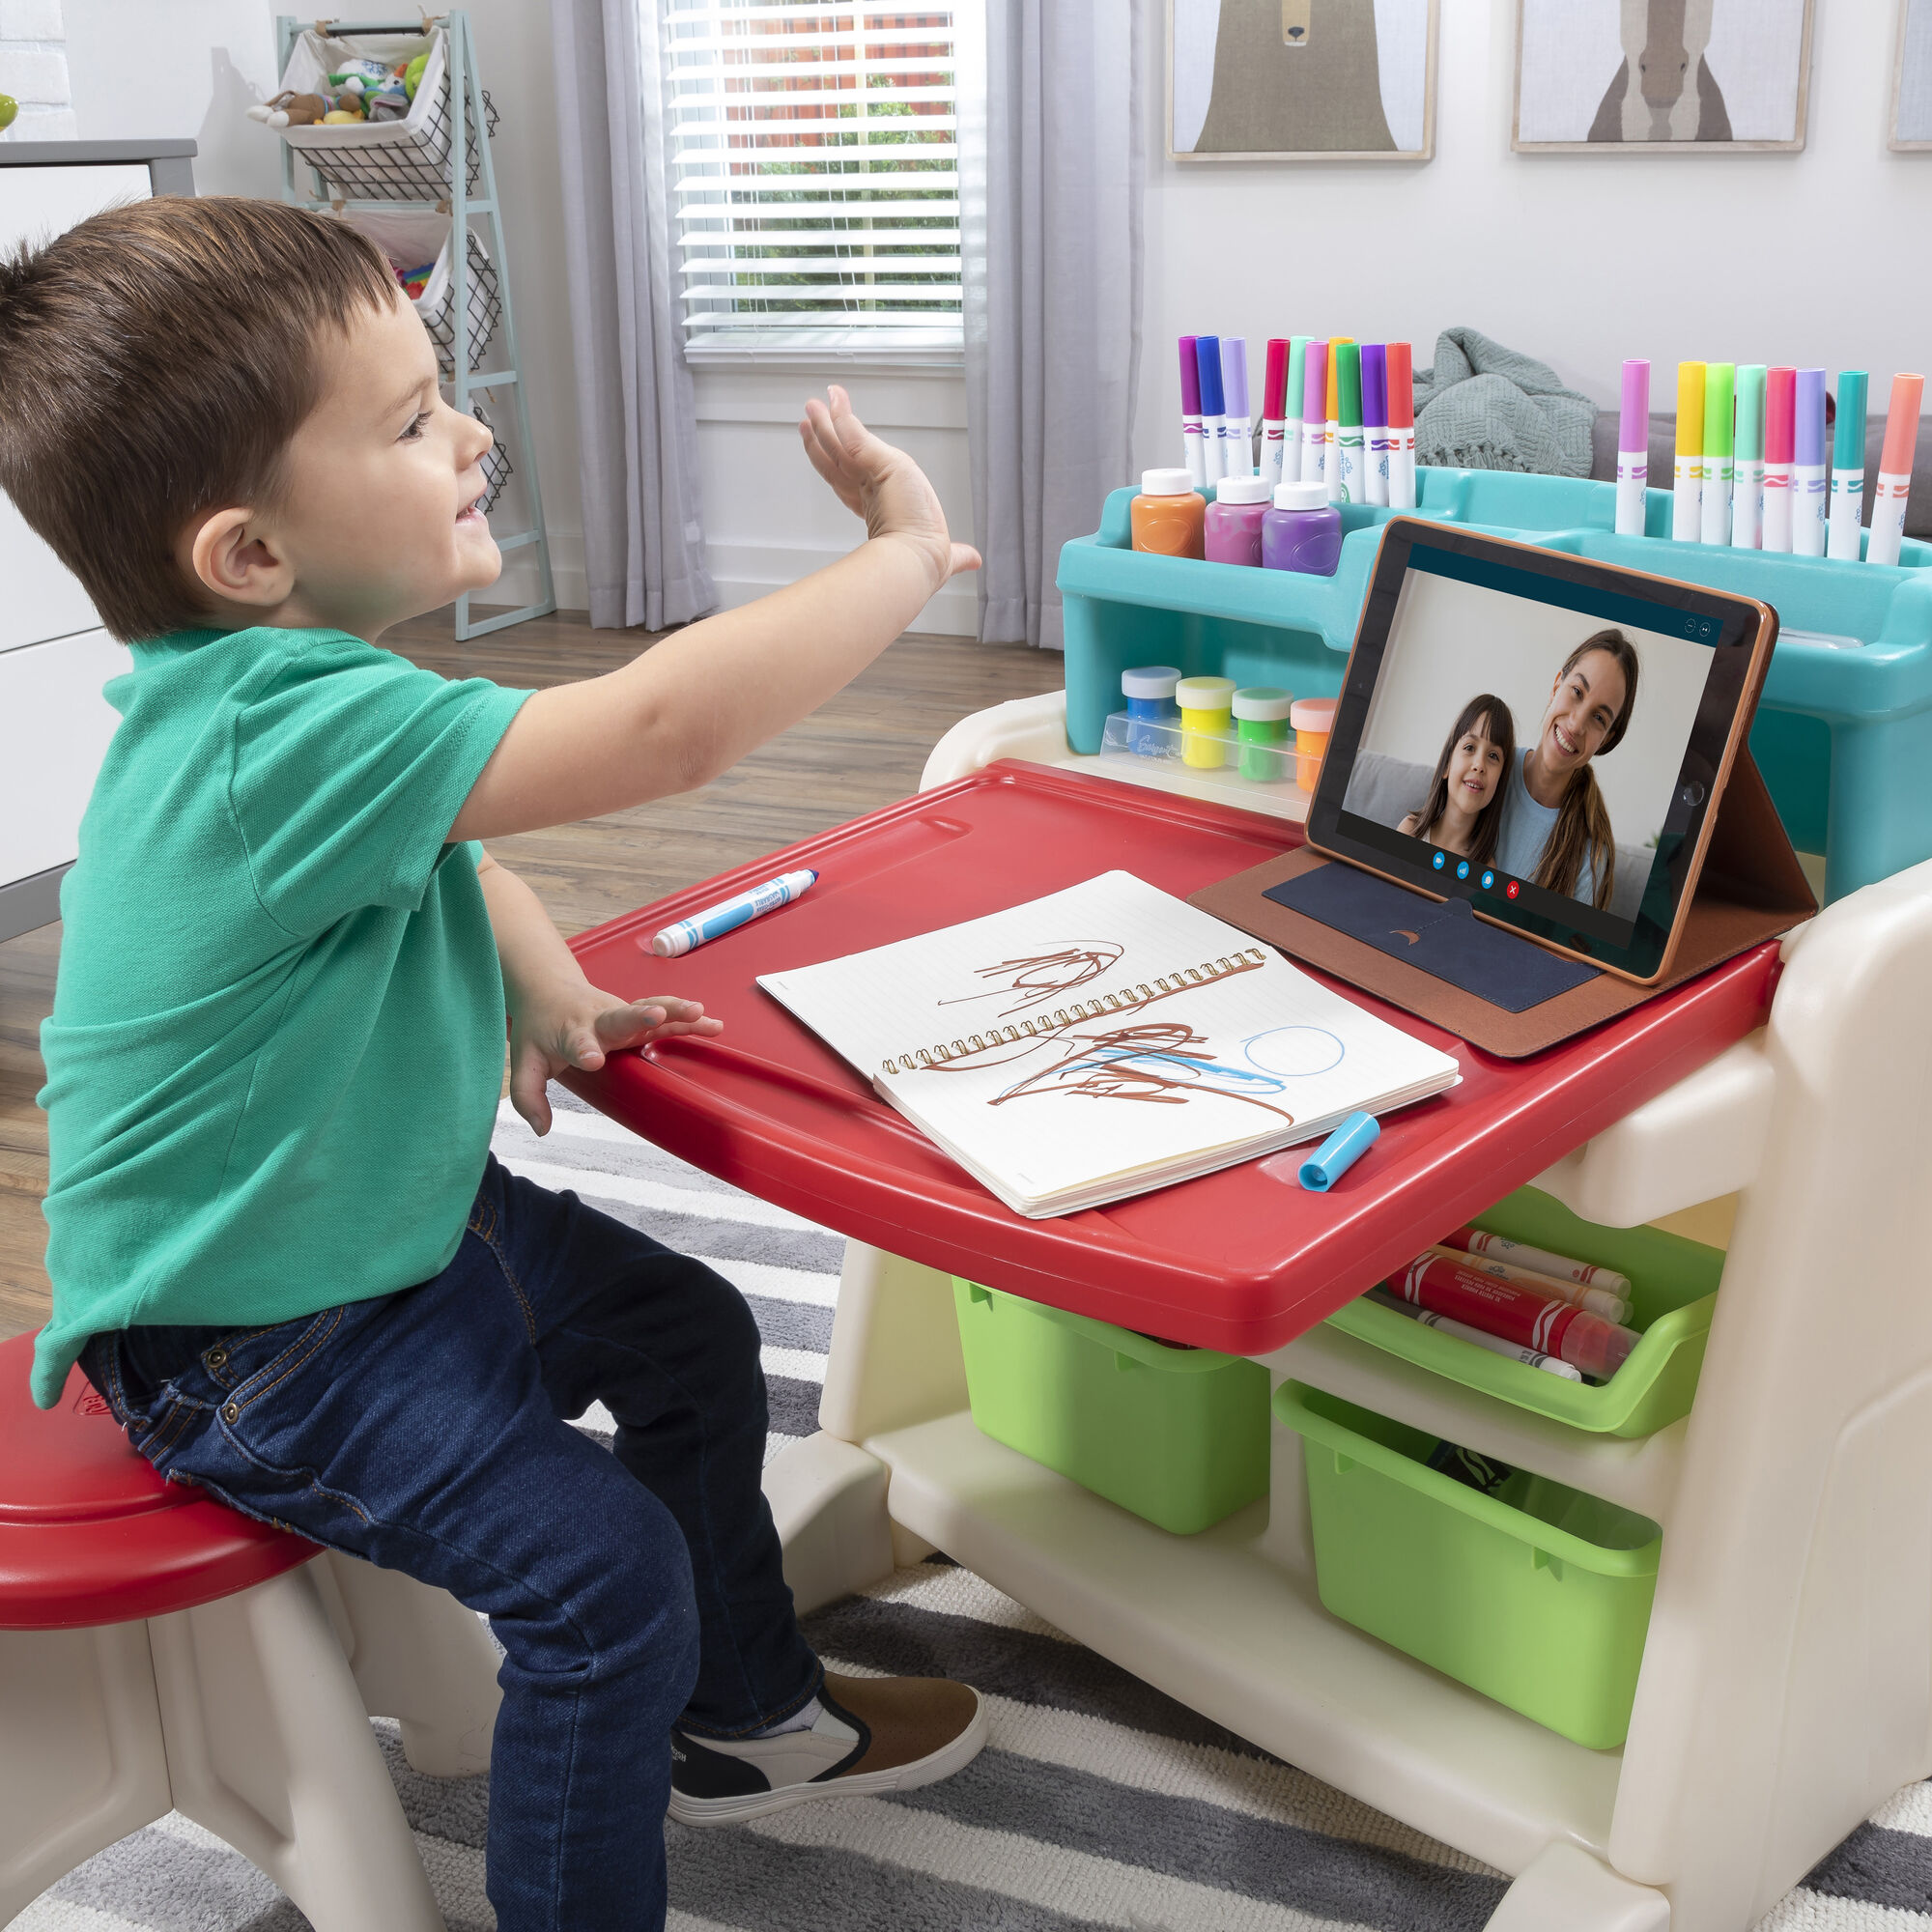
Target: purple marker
x: 1236, y: 439
x: 1315, y: 412
x: 1213, y: 424
x: 1633, y: 449
x: 1190, y: 411
x: 1375, y: 422
x: 1808, y: 499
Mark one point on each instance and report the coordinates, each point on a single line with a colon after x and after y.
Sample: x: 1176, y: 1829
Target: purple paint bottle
x: 1303, y: 531
x: 1234, y: 533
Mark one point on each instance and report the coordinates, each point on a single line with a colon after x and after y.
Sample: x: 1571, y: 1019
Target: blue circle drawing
x: 1294, y: 1052
x: 1440, y: 861
x: 1462, y: 869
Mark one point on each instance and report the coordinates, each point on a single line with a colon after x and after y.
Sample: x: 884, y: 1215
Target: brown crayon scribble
x: 1046, y: 977
x: 1160, y: 1062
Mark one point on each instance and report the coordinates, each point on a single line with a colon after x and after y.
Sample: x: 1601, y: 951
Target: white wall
x: 1579, y: 260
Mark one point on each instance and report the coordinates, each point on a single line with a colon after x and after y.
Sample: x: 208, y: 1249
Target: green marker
x: 1718, y: 465
x: 1747, y: 491
x: 1349, y: 422
x: 1848, y: 468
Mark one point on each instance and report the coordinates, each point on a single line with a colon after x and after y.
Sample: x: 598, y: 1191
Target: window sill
x: 808, y: 351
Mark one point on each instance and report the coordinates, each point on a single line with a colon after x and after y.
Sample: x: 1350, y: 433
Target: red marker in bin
x: 1518, y: 1314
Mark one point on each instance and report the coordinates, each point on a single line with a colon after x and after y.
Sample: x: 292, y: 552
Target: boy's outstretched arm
x: 558, y: 1018
x: 691, y: 706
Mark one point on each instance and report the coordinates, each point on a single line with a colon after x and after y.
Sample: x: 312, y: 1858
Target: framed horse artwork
x: 1699, y: 76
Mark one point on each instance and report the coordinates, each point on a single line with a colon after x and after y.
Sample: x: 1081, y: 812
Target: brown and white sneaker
x: 872, y: 1734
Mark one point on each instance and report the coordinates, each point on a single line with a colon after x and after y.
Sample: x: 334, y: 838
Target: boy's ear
x: 238, y: 561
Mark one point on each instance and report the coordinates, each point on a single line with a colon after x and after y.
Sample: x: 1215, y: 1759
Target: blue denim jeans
x: 428, y: 1431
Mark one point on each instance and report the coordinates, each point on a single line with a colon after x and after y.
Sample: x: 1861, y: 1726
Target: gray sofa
x: 1386, y: 789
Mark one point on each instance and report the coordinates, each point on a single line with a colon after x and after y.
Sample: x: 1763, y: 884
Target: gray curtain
x: 1052, y: 164
x: 642, y: 541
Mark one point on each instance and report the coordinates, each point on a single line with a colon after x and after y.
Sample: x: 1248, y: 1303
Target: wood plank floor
x: 863, y: 749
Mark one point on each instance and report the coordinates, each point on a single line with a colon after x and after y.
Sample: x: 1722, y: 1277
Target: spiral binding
x: 1040, y: 1026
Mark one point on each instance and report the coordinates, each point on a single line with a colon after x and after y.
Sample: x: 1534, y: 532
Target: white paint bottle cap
x: 1166, y: 483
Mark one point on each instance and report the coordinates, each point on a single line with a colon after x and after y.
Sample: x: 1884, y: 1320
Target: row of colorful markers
x: 1353, y: 426
x: 1750, y: 465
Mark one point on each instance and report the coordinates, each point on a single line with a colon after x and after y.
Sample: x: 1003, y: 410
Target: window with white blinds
x: 814, y: 171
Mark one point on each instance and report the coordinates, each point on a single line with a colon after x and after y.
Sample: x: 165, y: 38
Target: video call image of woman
x: 1545, y: 818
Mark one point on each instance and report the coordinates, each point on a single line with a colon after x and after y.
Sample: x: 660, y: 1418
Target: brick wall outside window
x: 32, y: 69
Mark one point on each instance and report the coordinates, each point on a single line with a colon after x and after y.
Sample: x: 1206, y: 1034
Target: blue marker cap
x: 1340, y: 1152
x: 1207, y: 353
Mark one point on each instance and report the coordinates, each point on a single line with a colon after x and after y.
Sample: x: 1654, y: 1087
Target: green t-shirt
x: 277, y: 1036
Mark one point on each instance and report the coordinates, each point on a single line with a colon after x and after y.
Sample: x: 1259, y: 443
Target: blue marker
x: 1213, y: 408
x: 715, y: 920
x: 1340, y: 1152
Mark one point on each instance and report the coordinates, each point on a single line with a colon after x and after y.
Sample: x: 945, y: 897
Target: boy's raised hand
x: 880, y: 483
x: 576, y: 1026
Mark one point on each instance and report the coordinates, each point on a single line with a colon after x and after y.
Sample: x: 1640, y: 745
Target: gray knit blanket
x: 1484, y: 407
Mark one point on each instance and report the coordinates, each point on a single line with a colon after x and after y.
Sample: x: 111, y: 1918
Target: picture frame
x: 1571, y: 91
x: 1909, y: 126
x: 1367, y: 92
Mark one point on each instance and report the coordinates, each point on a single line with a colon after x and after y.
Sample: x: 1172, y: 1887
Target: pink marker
x: 1190, y: 413
x: 1401, y: 427
x: 1894, y: 470
x: 1315, y: 412
x: 1274, y: 409
x: 1780, y: 414
x: 1633, y: 449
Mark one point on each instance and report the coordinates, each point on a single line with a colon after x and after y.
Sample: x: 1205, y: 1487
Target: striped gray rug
x: 1099, y: 1803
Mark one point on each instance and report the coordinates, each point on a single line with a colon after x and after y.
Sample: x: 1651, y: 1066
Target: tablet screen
x: 1537, y: 734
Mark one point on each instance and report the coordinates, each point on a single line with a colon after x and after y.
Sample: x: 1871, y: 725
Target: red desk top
x: 1244, y: 1259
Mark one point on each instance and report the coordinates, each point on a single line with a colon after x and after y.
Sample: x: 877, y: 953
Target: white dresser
x: 54, y: 656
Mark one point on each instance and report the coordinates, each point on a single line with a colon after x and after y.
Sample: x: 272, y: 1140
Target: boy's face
x: 378, y: 518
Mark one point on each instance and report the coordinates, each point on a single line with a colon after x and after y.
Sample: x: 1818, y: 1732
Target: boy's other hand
x: 881, y: 484
x: 577, y: 1025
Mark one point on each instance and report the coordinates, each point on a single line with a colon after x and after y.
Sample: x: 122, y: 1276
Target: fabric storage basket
x: 413, y: 237
x: 382, y: 160
x: 1178, y: 1436
x: 1535, y: 1595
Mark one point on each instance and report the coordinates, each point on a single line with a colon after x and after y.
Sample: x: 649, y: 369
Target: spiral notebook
x: 1104, y: 1040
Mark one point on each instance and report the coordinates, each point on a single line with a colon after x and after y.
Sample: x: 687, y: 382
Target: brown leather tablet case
x: 1751, y: 888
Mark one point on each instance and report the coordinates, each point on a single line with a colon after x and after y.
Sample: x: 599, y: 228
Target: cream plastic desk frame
x: 1786, y: 1687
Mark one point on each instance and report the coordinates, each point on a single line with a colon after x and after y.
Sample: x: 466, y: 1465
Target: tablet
x: 1544, y: 736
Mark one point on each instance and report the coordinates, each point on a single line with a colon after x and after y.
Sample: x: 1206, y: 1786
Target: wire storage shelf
x: 415, y: 182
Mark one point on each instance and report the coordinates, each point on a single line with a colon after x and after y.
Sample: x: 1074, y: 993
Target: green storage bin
x: 1537, y: 1596
x: 1176, y: 1436
x: 1673, y: 1291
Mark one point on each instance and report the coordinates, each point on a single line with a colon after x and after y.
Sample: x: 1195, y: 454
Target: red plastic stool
x: 160, y: 1651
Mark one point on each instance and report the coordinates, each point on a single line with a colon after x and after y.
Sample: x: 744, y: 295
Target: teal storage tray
x: 1673, y: 1291
x: 1842, y: 733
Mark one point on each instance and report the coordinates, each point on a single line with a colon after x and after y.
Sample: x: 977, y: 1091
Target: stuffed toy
x: 343, y: 117
x: 289, y: 110
x: 390, y: 101
x: 413, y: 73
x: 358, y: 76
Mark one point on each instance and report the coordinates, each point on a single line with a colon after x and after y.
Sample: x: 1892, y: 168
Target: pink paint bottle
x: 1233, y: 532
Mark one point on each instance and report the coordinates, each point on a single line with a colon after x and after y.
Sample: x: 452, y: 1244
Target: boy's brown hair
x: 155, y: 362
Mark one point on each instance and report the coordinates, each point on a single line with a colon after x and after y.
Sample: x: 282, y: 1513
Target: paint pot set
x: 1207, y: 723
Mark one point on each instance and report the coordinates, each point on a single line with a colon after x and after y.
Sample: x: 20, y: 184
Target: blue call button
x: 1462, y: 868
x: 1440, y: 860
x: 1488, y: 881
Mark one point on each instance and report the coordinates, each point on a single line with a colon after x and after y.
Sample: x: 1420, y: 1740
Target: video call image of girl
x: 1554, y: 828
x: 1462, y: 811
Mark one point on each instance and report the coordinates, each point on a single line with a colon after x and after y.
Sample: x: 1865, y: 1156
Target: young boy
x: 279, y: 1243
